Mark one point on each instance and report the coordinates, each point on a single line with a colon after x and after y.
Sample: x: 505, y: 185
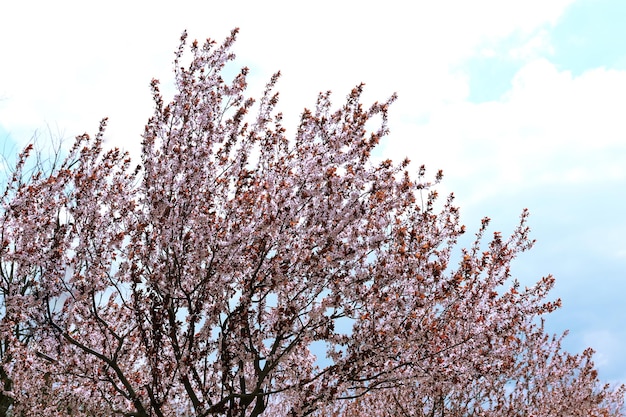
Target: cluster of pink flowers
x: 199, y: 282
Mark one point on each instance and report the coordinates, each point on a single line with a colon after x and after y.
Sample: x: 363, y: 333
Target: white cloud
x: 550, y: 128
x: 71, y: 63
x: 537, y: 45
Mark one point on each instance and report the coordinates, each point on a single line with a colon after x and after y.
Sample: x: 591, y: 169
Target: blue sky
x: 520, y: 103
x: 578, y: 222
x: 589, y: 34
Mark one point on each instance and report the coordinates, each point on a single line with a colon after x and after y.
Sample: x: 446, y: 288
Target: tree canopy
x: 235, y: 271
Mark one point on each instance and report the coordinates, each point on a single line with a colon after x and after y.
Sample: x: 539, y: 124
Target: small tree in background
x: 235, y: 272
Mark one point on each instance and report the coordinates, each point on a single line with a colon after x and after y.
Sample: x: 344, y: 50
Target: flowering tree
x: 235, y: 272
x: 541, y: 381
